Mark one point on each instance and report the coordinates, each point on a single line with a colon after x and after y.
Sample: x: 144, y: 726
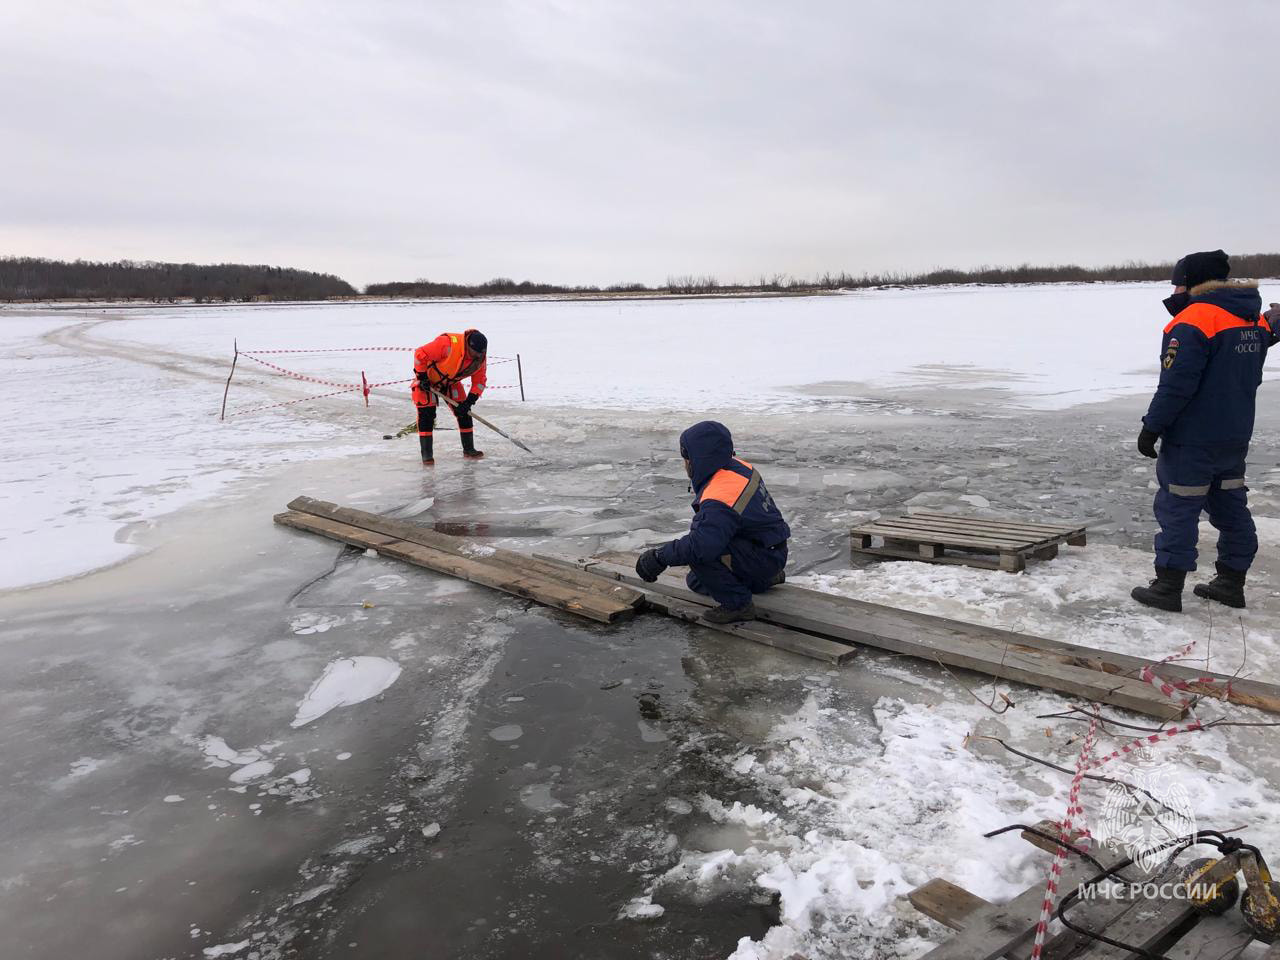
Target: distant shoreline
x: 598, y: 297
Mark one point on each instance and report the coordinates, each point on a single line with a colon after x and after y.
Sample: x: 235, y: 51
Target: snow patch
x: 344, y: 682
x: 226, y: 949
x: 252, y: 771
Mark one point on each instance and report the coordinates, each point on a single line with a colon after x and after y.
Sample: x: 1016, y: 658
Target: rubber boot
x: 723, y: 614
x: 428, y: 458
x: 1165, y: 591
x: 469, y: 450
x: 1227, y: 587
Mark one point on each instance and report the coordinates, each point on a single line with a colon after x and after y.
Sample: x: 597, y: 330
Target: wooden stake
x: 520, y: 374
x: 235, y: 345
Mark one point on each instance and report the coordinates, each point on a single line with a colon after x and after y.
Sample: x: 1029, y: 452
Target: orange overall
x: 444, y: 363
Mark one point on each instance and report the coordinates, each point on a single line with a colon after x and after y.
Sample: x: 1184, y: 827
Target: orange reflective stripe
x: 725, y: 487
x: 1211, y: 320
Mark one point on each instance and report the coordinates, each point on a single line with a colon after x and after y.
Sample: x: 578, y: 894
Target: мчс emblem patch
x: 1170, y: 353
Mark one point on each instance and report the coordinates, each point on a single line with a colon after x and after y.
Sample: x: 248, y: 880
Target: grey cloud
x: 593, y: 142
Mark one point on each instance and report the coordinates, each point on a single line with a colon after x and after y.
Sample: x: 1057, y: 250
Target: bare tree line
x: 33, y: 278
x: 1256, y: 265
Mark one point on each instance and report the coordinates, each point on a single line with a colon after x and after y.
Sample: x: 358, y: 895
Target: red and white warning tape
x: 1055, y: 869
x: 251, y: 353
x: 1084, y: 764
x: 1168, y: 687
x: 364, y: 386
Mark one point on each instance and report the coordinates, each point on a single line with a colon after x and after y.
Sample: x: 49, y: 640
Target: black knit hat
x: 1195, y: 268
x: 477, y: 342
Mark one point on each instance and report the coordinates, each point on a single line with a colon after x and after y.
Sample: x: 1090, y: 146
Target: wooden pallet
x: 988, y: 930
x: 987, y: 542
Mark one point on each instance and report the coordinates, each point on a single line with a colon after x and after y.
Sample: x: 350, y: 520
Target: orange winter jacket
x: 446, y: 362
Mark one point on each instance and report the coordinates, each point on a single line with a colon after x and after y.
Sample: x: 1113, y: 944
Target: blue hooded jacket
x: 731, y: 500
x: 1211, y: 364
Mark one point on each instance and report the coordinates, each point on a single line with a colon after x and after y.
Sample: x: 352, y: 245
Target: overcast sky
x: 599, y: 142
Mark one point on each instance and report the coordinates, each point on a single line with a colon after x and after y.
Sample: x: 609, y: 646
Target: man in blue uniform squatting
x: 1202, y: 414
x: 737, y: 543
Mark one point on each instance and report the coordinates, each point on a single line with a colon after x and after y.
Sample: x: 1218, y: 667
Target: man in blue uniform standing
x: 1202, y: 414
x: 737, y: 543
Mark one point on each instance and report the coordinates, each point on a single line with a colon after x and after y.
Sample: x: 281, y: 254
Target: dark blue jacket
x: 1211, y: 364
x: 731, y: 500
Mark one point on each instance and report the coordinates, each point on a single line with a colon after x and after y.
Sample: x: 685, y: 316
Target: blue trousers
x: 1195, y: 478
x: 747, y: 568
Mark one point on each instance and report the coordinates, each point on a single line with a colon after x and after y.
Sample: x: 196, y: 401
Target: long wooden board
x: 485, y: 571
x: 999, y: 930
x: 988, y: 930
x: 932, y: 638
x: 1047, y: 529
x: 459, y: 546
x: 1245, y: 692
x: 567, y: 588
x: 770, y: 634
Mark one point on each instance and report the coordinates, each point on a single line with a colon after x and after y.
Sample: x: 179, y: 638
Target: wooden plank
x: 968, y: 529
x: 981, y: 561
x: 1029, y: 524
x: 897, y: 531
x: 1213, y: 938
x: 417, y: 533
x: 769, y: 634
x: 999, y: 929
x: 1095, y: 914
x: 882, y: 627
x: 999, y: 529
x: 1148, y: 924
x: 484, y: 571
x: 943, y: 901
x: 1245, y: 692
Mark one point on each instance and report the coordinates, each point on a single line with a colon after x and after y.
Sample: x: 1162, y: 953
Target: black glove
x: 1147, y: 443
x: 648, y: 567
x: 466, y: 405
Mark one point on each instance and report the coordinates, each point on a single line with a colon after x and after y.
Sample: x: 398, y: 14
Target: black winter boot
x: 1227, y: 587
x: 1165, y: 591
x: 469, y: 450
x: 723, y: 614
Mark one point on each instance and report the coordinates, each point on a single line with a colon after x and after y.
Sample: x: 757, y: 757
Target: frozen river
x: 245, y: 742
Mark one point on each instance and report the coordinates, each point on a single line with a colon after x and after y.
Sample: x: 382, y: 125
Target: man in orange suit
x: 440, y: 367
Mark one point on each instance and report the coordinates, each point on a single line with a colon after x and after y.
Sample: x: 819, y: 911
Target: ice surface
x: 344, y: 682
x: 754, y: 774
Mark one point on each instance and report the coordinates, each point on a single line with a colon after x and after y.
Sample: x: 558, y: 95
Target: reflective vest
x: 456, y: 364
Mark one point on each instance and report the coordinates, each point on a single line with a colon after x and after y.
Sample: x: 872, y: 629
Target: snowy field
x: 111, y: 415
x: 237, y: 744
